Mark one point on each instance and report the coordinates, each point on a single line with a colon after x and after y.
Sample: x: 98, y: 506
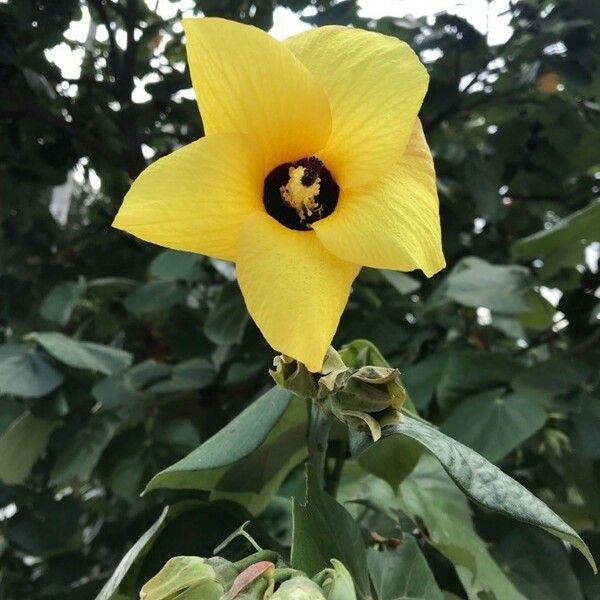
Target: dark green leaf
x: 403, y: 573
x: 23, y: 372
x: 171, y: 265
x: 474, y: 282
x: 493, y: 424
x: 155, y: 296
x: 538, y: 565
x: 228, y: 318
x: 401, y: 282
x: 21, y: 445
x: 563, y: 244
x: 248, y: 459
x: 487, y: 485
x: 59, y: 303
x: 83, y: 355
x: 322, y: 530
x: 586, y: 428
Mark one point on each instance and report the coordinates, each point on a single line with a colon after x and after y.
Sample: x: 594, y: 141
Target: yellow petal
x: 294, y: 288
x: 196, y: 198
x: 247, y: 81
x: 393, y: 224
x: 375, y: 84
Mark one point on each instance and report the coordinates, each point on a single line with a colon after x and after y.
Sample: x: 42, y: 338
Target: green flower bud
x: 184, y: 578
x: 337, y: 583
x: 361, y: 396
x: 298, y: 588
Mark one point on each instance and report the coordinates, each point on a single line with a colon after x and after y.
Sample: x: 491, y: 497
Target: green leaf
x: 227, y: 321
x: 131, y: 562
x: 551, y: 378
x: 173, y: 265
x: 248, y: 459
x: 504, y: 289
x: 10, y: 410
x: 58, y: 305
x: 21, y: 445
x: 487, y: 485
x: 441, y: 511
x: 493, y: 424
x: 538, y: 565
x: 562, y: 245
x: 192, y: 374
x: 324, y: 530
x: 586, y: 428
x: 47, y: 527
x: 155, y: 296
x: 541, y: 315
x: 186, y: 528
x: 401, y: 282
x: 83, y: 451
x: 469, y: 372
x: 392, y: 457
x: 82, y: 355
x: 24, y: 373
x: 338, y: 584
x: 403, y: 573
x: 421, y: 379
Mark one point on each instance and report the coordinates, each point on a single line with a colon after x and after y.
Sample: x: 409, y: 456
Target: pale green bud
x: 298, y: 588
x: 184, y: 578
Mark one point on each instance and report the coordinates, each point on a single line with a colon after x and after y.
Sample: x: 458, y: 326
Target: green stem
x: 269, y: 555
x: 332, y: 480
x: 318, y: 437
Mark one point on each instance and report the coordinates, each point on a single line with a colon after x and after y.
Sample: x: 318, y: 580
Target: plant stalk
x: 318, y: 438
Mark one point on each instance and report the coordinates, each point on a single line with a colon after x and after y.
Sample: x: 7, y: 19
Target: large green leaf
x: 228, y: 318
x: 586, y: 428
x: 172, y: 265
x: 21, y: 445
x: 486, y: 484
x: 58, y: 305
x: 249, y: 458
x: 130, y: 564
x: 83, y: 355
x: 538, y: 565
x: 403, y: 573
x: 392, y: 458
x: 191, y: 374
x: 155, y: 296
x: 563, y: 244
x: 83, y: 451
x: 551, y: 378
x: 469, y: 372
x: 23, y: 372
x: 474, y: 282
x: 324, y: 530
x: 493, y: 424
x: 442, y: 513
x: 401, y: 282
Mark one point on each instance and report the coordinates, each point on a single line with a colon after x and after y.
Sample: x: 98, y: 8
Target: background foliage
x: 118, y: 358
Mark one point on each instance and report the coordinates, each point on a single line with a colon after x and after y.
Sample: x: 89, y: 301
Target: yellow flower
x: 314, y: 164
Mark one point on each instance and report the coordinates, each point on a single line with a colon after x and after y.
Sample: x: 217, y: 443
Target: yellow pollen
x: 299, y: 196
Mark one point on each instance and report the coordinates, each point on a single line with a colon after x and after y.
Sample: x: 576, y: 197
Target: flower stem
x: 318, y: 437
